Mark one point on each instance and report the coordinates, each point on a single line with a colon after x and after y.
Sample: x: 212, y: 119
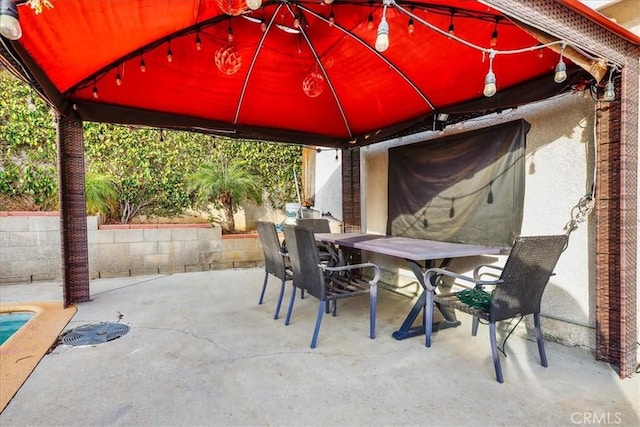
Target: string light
x: 169, y: 53
x: 382, y: 39
x: 494, y: 36
x: 254, y: 4
x: 9, y: 20
x: 95, y: 91
x: 230, y: 33
x: 490, y: 79
x: 382, y: 42
x: 609, y: 89
x: 561, y: 68
x: 31, y: 106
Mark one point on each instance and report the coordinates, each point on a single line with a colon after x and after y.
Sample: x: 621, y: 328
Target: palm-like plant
x: 100, y: 193
x: 226, y: 186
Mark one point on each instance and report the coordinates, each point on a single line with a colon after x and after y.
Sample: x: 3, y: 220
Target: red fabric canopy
x: 86, y: 57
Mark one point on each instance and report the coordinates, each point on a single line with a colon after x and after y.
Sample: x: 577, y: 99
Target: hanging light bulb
x: 95, y: 91
x: 198, y: 42
x: 332, y: 18
x: 328, y: 1
x: 451, y: 29
x: 143, y: 65
x: 609, y: 89
x: 254, y: 4
x: 370, y: 21
x: 9, y: 20
x: 490, y: 79
x: 382, y: 39
x: 169, y: 53
x: 410, y: 27
x: 296, y: 21
x: 31, y: 106
x: 118, y: 79
x: 263, y: 25
x: 561, y: 68
x: 494, y: 36
x: 230, y: 33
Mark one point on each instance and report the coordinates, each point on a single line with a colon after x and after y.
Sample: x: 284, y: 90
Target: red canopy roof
x: 301, y: 71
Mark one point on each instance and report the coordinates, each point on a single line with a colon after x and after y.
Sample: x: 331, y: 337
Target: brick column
x: 73, y: 217
x: 616, y: 217
x: 351, y: 214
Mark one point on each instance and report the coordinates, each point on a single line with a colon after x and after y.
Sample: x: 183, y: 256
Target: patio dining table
x: 420, y: 255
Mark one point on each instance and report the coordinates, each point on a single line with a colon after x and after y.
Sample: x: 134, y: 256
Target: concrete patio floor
x: 201, y: 351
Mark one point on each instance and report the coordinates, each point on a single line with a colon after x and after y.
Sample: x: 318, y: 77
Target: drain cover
x: 96, y: 333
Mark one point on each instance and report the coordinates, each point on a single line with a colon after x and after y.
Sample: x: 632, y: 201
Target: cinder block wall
x: 30, y: 248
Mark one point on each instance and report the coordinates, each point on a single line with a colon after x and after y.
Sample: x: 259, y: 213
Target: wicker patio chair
x: 319, y: 225
x: 275, y: 260
x: 517, y: 291
x: 310, y: 274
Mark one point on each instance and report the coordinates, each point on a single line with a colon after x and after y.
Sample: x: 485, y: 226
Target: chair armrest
x: 434, y: 272
x: 376, y: 275
x: 477, y: 274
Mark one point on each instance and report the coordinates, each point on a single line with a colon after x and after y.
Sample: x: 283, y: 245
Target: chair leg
x: 277, y: 313
x: 494, y: 351
x: 335, y: 307
x: 301, y: 293
x: 536, y: 324
x: 316, y: 330
x: 373, y: 303
x: 428, y: 317
x: 291, y: 301
x: 264, y: 287
x: 474, y: 326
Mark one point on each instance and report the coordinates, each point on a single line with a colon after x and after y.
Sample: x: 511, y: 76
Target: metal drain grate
x: 96, y: 333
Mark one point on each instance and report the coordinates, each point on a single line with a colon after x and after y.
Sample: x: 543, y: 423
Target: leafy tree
x: 27, y: 145
x: 225, y: 185
x: 148, y: 168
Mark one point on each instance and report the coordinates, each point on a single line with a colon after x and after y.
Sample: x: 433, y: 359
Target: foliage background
x: 148, y: 167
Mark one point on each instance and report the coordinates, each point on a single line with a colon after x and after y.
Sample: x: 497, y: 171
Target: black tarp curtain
x: 466, y: 188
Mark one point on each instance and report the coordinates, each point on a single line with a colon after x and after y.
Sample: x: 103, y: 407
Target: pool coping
x: 22, y: 352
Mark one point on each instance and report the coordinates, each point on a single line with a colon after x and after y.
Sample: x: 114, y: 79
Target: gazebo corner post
x: 73, y: 217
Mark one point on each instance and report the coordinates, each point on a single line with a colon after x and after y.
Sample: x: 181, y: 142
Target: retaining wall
x: 30, y: 248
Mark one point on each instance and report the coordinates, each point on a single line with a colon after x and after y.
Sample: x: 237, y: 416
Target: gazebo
x: 340, y: 74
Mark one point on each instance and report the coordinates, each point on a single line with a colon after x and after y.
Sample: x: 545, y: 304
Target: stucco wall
x: 30, y: 246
